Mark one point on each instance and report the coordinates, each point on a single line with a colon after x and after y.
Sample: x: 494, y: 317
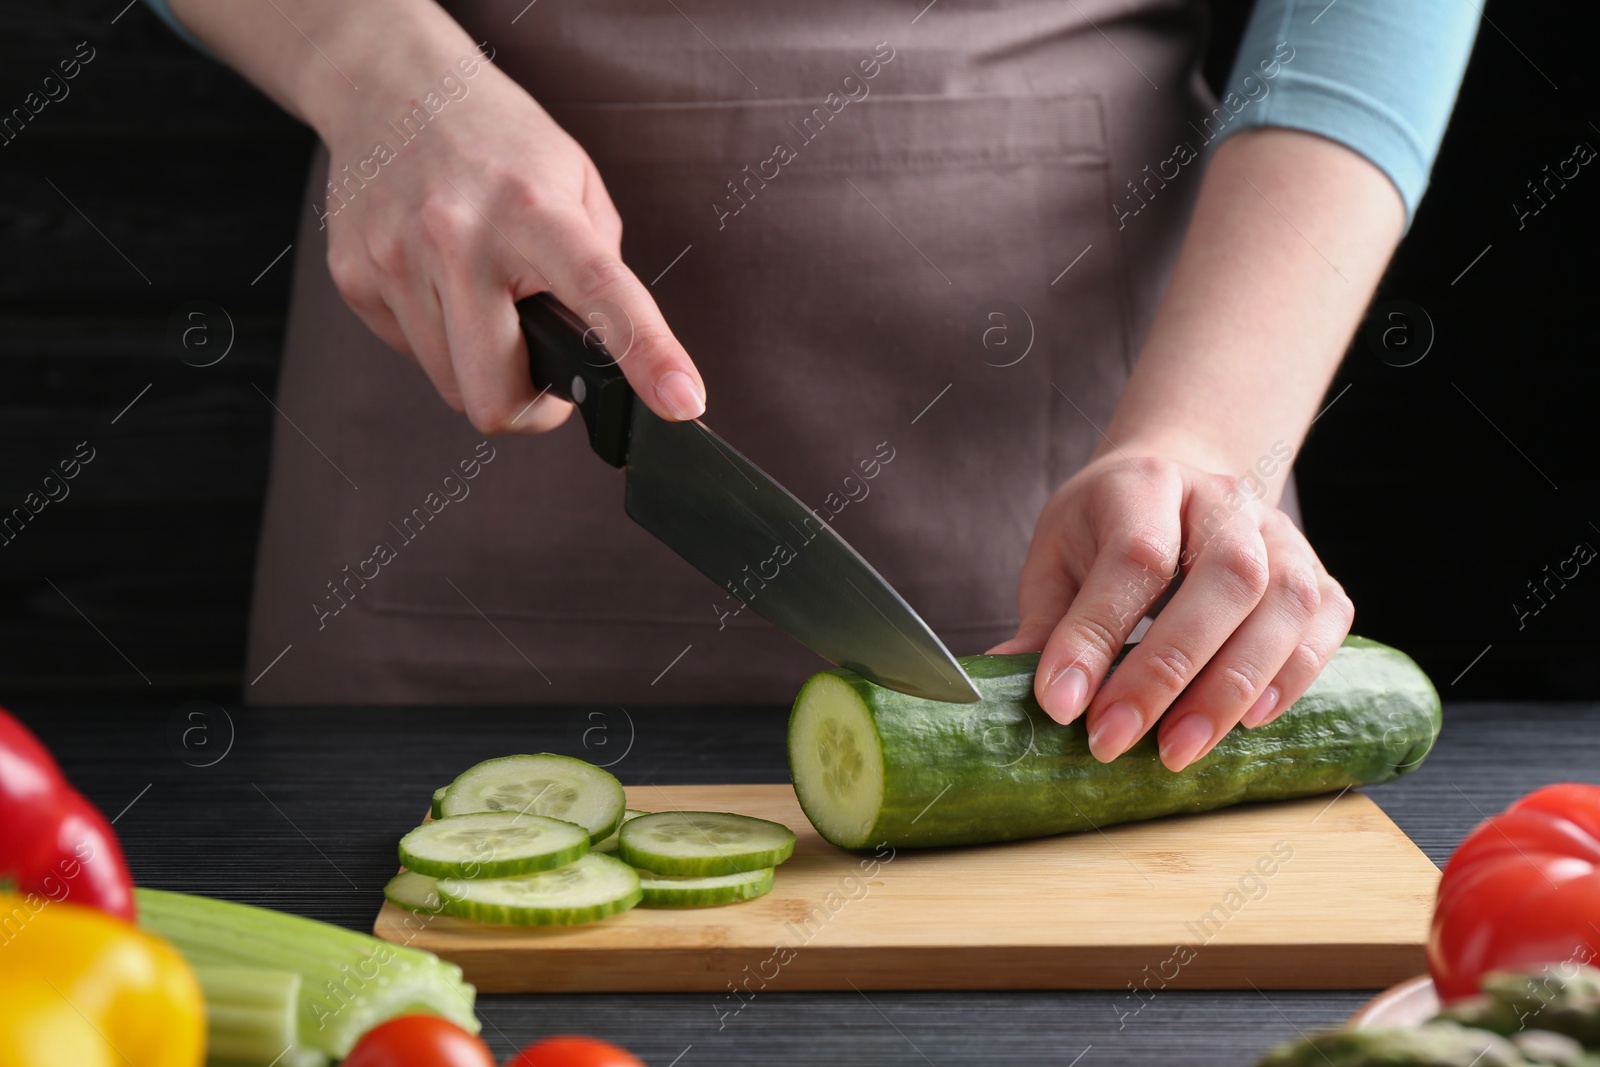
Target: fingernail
x: 1184, y: 739
x: 1264, y: 705
x: 1118, y: 725
x: 1066, y: 694
x: 677, y: 391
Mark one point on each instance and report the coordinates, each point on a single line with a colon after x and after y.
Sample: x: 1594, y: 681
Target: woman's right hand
x: 490, y: 203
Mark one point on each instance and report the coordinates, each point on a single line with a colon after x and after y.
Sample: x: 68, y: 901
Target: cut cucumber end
x: 836, y: 761
x: 437, y: 810
x: 664, y: 891
x: 558, y: 787
x: 592, y: 888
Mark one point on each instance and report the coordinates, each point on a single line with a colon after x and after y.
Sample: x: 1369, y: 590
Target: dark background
x: 1434, y: 491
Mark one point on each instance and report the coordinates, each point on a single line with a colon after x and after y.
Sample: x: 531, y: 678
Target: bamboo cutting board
x: 1321, y: 893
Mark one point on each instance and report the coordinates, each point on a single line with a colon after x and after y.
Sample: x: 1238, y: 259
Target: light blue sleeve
x: 164, y: 13
x: 1378, y: 76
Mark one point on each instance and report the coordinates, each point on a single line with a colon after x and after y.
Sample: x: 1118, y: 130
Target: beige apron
x: 914, y: 318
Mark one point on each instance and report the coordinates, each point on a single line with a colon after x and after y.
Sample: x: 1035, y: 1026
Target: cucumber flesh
x: 413, y: 892
x: 437, y: 811
x: 594, y: 887
x: 558, y: 787
x: 703, y: 843
x: 610, y: 843
x: 872, y: 766
x: 664, y: 891
x: 491, y: 844
x: 834, y: 749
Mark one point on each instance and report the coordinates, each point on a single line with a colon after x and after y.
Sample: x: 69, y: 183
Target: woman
x: 1002, y: 287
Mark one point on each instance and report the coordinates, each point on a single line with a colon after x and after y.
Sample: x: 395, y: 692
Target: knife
x: 735, y: 523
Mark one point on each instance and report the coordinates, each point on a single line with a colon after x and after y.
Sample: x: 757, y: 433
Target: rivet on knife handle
x: 577, y: 367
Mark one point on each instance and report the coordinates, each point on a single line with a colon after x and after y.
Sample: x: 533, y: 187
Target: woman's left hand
x: 1254, y: 620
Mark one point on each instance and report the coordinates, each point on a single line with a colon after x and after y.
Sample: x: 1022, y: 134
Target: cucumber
x: 437, y: 811
x: 610, y: 843
x: 491, y: 844
x: 558, y: 787
x: 413, y: 892
x: 874, y: 766
x: 698, y: 844
x: 594, y: 887
x: 665, y: 891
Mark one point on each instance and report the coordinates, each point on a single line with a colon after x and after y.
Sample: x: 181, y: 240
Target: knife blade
x: 735, y: 523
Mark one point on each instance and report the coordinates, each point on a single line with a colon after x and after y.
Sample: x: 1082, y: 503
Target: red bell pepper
x: 53, y: 842
x: 1522, y: 891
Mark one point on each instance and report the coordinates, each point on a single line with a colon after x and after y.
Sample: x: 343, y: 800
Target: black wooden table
x: 300, y: 810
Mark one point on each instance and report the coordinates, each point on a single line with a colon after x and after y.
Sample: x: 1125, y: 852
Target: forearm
x: 1288, y: 240
x: 322, y: 62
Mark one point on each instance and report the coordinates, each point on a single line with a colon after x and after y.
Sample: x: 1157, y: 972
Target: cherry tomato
x: 418, y: 1041
x: 573, y: 1051
x: 1521, y: 892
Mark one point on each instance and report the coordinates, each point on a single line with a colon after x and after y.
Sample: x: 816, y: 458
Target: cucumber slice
x: 664, y: 891
x: 610, y: 843
x: 702, y: 844
x: 413, y: 892
x: 592, y: 888
x: 438, y: 799
x: 558, y: 787
x: 491, y: 844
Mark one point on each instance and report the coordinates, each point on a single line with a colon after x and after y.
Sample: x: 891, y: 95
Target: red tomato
x: 1522, y: 891
x: 573, y: 1051
x: 418, y: 1041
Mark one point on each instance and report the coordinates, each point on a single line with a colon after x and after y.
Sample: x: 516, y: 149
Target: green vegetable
x: 557, y: 787
x: 250, y: 1014
x: 348, y: 982
x: 698, y: 844
x: 871, y: 765
x: 413, y: 892
x: 594, y: 887
x: 610, y: 843
x: 664, y: 891
x: 1563, y: 999
x: 1434, y: 1044
x: 436, y: 810
x: 491, y: 844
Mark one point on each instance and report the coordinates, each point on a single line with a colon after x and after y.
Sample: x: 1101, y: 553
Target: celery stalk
x: 250, y: 1012
x: 349, y: 982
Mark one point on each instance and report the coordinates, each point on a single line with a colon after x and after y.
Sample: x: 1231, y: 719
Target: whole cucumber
x: 871, y: 765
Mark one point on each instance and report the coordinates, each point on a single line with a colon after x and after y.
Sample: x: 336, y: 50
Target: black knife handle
x: 566, y: 356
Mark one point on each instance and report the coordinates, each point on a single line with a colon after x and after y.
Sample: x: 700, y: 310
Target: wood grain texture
x: 1347, y: 907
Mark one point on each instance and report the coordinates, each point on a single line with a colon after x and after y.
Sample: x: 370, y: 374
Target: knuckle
x: 599, y: 274
x: 1171, y: 667
x: 446, y: 221
x: 1297, y: 588
x: 1308, y: 660
x: 1241, y: 682
x: 346, y: 271
x: 1243, y: 561
x: 1148, y: 548
x: 386, y: 249
x: 1088, y: 637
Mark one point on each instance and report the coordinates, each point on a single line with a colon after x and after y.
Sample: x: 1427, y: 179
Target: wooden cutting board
x: 1322, y: 893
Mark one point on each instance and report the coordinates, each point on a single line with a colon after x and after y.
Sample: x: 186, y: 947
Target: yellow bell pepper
x: 80, y: 987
